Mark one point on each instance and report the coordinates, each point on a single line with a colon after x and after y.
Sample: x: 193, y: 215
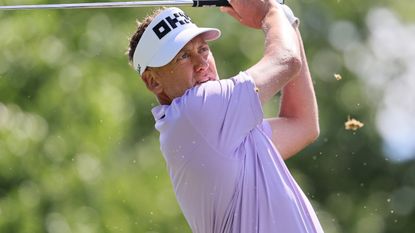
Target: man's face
x: 192, y: 66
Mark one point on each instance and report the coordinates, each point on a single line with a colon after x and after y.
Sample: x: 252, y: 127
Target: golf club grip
x: 201, y: 3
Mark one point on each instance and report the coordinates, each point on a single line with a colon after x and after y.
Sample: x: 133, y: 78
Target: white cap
x: 165, y: 36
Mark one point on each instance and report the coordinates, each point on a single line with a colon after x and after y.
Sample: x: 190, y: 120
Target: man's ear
x: 151, y: 82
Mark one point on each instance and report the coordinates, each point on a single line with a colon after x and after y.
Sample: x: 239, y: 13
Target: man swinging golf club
x: 226, y: 162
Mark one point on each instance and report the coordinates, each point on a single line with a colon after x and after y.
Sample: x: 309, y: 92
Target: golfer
x: 226, y: 162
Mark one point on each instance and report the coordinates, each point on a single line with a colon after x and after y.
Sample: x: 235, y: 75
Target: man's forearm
x: 281, y: 60
x: 298, y: 100
x: 280, y: 36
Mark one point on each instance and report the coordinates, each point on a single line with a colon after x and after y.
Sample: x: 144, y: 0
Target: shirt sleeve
x: 266, y: 128
x: 224, y: 111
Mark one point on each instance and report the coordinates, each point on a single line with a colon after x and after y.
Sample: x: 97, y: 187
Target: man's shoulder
x: 216, y: 88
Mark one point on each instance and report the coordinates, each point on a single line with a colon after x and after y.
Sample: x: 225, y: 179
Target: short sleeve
x: 266, y: 128
x: 224, y: 111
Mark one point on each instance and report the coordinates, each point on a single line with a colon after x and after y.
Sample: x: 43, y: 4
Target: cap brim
x: 170, y: 50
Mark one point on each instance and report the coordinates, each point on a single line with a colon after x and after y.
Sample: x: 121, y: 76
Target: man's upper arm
x: 288, y: 136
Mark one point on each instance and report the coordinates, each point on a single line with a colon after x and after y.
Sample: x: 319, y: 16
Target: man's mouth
x: 203, y: 81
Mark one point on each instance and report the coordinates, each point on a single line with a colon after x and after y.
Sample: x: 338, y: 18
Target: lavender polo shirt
x: 227, y: 175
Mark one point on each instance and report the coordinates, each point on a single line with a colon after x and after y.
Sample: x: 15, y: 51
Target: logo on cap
x: 169, y: 23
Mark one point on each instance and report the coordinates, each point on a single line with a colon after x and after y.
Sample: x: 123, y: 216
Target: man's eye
x: 204, y: 49
x: 183, y: 56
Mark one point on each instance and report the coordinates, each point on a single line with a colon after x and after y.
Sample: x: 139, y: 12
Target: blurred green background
x: 78, y: 152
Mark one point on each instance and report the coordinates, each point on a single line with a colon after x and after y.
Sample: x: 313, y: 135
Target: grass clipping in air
x: 352, y: 124
x: 338, y: 77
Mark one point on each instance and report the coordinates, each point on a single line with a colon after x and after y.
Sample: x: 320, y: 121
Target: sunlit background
x: 79, y: 153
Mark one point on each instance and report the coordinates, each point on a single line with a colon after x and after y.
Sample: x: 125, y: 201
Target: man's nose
x: 200, y: 63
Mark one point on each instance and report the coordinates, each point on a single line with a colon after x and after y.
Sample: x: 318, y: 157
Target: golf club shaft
x: 193, y: 3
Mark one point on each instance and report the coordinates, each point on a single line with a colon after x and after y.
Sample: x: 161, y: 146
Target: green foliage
x: 78, y: 149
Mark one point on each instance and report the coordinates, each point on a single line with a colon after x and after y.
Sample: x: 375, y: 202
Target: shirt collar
x: 159, y: 112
